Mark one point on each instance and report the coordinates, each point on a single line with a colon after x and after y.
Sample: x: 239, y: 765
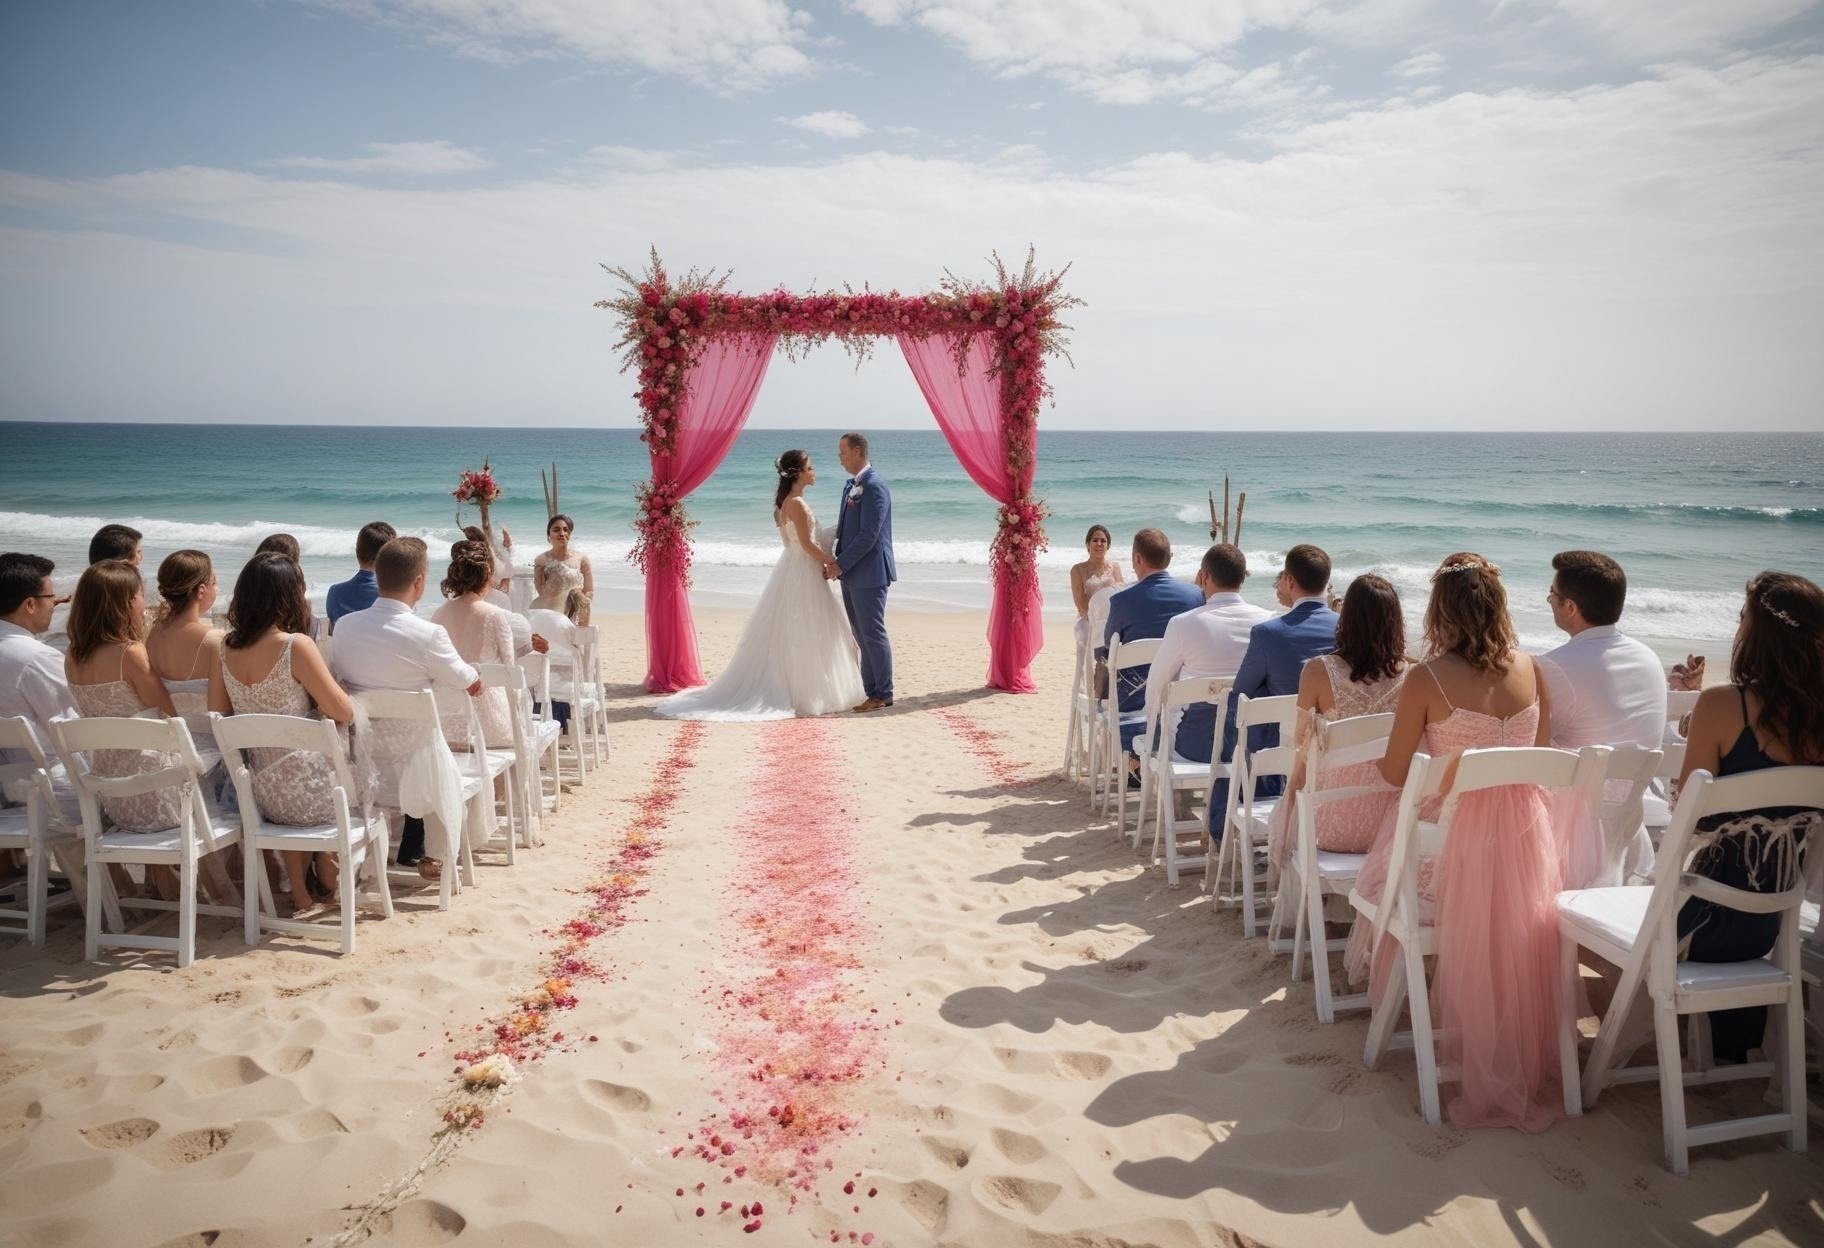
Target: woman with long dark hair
x: 1771, y: 714
x: 1363, y: 676
x: 1096, y: 573
x: 796, y: 655
x: 270, y: 666
x: 560, y: 569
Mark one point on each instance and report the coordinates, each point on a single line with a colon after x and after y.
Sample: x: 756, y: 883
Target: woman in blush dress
x: 1770, y: 715
x: 1095, y: 573
x: 560, y: 570
x: 1362, y: 677
x: 1495, y: 989
x: 482, y: 633
x: 270, y: 666
x: 182, y: 645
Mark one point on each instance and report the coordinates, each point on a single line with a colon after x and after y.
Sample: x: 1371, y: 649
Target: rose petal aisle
x: 795, y: 1033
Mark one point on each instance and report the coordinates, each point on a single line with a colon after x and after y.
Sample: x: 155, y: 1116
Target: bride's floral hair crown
x: 1466, y: 565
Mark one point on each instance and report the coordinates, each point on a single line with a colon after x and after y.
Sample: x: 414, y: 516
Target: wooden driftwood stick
x: 1239, y: 504
x: 550, y: 489
x: 1214, y: 530
x: 1225, y: 508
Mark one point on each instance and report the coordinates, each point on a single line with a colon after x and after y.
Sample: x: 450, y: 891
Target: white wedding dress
x: 795, y: 657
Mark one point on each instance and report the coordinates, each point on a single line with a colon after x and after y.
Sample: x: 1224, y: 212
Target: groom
x: 864, y: 563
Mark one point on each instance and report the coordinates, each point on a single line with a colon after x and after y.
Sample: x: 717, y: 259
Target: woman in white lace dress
x: 482, y: 632
x: 560, y: 570
x: 270, y: 666
x: 796, y: 657
x: 1098, y: 572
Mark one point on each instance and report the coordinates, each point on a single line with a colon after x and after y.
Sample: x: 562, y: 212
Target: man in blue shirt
x: 359, y: 592
x: 1140, y: 611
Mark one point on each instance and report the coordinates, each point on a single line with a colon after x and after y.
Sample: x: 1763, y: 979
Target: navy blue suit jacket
x: 1277, y: 651
x: 864, y: 534
x: 1143, y: 610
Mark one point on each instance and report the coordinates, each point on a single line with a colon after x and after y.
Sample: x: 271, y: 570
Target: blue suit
x: 357, y: 593
x: 864, y: 552
x: 1277, y: 651
x: 1140, y: 611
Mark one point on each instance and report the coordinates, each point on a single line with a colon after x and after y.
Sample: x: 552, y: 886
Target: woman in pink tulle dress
x: 1495, y: 987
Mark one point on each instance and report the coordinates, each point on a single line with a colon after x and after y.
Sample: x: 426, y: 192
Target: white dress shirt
x: 32, y: 683
x: 1205, y: 641
x: 388, y: 647
x: 1608, y: 689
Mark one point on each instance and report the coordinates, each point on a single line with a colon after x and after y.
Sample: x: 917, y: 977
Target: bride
x: 796, y: 655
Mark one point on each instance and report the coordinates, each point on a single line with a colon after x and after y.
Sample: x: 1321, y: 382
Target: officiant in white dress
x: 796, y: 656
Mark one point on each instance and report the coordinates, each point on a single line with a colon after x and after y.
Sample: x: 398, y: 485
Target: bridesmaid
x: 560, y: 570
x: 1095, y: 573
x: 182, y: 646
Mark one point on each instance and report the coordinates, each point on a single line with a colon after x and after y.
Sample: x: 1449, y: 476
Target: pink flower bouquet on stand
x: 478, y: 488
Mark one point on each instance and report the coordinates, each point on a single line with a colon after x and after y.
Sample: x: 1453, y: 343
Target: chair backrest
x: 457, y: 704
x: 1276, y: 760
x: 1705, y: 795
x: 510, y: 678
x: 237, y: 734
x: 1623, y: 811
x: 1139, y: 652
x: 588, y: 655
x: 537, y: 668
x: 380, y: 747
x: 1337, y: 743
x: 17, y: 734
x: 76, y: 738
x: 1098, y: 612
x: 1190, y: 691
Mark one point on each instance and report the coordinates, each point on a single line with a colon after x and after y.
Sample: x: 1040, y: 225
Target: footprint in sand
x: 1071, y: 1064
x: 193, y: 1146
x: 1568, y: 1175
x: 181, y: 1040
x: 420, y: 1223
x: 1032, y: 1196
x: 947, y: 1152
x: 122, y: 1134
x: 1020, y: 1149
x: 1314, y: 1059
x: 291, y: 1061
x: 616, y: 1097
x: 219, y: 1074
x: 926, y: 1202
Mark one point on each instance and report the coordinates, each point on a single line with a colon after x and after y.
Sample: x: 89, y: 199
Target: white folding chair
x: 1632, y: 771
x: 357, y: 839
x: 491, y: 768
x: 1082, y: 711
x: 1094, y: 773
x: 529, y: 745
x: 1811, y: 967
x: 42, y: 828
x: 546, y: 734
x: 1401, y: 916
x: 1656, y: 806
x: 1636, y: 929
x: 1164, y: 775
x: 590, y: 702
x: 400, y: 723
x: 1241, y: 860
x: 1123, y: 656
x: 1312, y: 875
x: 198, y: 831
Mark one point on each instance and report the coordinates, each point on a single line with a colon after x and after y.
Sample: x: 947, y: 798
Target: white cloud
x: 1420, y: 65
x: 1656, y: 28
x: 831, y: 124
x: 440, y: 156
x: 1637, y: 256
x: 722, y: 44
x: 629, y: 157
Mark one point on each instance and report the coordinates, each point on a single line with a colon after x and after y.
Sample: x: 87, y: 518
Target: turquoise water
x: 1689, y: 516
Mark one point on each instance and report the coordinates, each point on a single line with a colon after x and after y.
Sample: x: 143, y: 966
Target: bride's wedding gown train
x: 796, y: 655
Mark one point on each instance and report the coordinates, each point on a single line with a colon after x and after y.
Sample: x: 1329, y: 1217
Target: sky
x: 1298, y: 214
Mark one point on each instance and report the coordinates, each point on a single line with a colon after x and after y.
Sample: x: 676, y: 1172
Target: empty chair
x: 357, y: 839
x: 547, y: 733
x: 588, y: 700
x: 194, y: 832
x: 1636, y: 929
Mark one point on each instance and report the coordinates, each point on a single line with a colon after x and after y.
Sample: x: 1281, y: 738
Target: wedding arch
x: 977, y: 350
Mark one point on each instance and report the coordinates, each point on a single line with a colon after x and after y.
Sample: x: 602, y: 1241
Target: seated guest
x: 1094, y: 573
x: 1278, y: 650
x: 1140, y: 611
x: 1363, y: 676
x: 557, y: 630
x: 115, y: 541
x: 182, y: 646
x: 1209, y: 640
x: 500, y: 588
x: 32, y: 681
x: 481, y: 633
x: 109, y: 673
x: 388, y: 647
x: 270, y: 666
x: 359, y: 591
x: 287, y: 545
x: 1607, y: 688
x: 1770, y: 715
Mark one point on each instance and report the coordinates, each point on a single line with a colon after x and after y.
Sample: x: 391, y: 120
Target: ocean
x: 1690, y: 517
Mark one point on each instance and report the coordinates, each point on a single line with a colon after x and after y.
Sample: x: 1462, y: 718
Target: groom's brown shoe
x: 872, y: 704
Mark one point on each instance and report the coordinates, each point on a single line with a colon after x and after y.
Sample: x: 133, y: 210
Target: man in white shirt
x: 1606, y: 688
x: 32, y: 682
x: 1205, y: 641
x: 386, y: 646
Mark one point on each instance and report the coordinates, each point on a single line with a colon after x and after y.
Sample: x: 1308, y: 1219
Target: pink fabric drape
x: 722, y: 386
x: 968, y: 410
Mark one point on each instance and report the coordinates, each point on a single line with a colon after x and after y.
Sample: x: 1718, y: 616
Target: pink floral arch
x: 977, y: 350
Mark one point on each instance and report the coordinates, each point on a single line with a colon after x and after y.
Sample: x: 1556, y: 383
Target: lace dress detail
x: 481, y: 633
x: 1347, y: 826
x: 142, y: 812
x: 796, y: 655
x: 554, y: 579
x: 292, y: 788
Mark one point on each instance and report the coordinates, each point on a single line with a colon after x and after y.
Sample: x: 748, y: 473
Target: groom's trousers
x: 867, y: 610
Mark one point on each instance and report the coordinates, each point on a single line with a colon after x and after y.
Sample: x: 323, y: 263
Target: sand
x: 1019, y: 1035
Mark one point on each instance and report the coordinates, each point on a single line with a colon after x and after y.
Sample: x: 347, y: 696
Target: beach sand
x: 993, y: 1023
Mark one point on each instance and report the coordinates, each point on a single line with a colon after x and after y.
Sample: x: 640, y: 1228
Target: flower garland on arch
x: 667, y: 322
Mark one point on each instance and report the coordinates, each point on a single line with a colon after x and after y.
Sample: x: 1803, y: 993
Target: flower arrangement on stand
x: 663, y: 526
x: 477, y: 487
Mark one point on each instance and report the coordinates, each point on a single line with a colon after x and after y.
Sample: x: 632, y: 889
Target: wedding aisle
x: 873, y: 979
